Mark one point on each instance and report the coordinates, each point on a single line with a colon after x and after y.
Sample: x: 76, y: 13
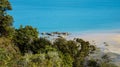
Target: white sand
x: 98, y: 39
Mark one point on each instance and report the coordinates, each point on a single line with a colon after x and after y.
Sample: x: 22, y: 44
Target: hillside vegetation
x: 23, y: 47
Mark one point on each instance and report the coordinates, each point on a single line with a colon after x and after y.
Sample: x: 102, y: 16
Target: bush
x: 8, y: 52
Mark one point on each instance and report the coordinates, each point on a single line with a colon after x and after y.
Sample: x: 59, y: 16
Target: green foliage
x: 92, y: 63
x: 39, y: 45
x: 5, y: 5
x: 8, y: 52
x: 4, y: 58
x: 49, y: 59
x: 6, y: 20
x: 61, y: 45
x: 77, y: 49
x: 24, y: 37
x: 67, y: 60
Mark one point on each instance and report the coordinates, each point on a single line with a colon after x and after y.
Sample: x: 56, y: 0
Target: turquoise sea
x: 67, y: 15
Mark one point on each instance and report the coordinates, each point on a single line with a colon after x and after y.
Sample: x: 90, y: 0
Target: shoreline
x: 107, y: 41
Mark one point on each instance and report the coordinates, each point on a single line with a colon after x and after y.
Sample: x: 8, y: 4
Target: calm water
x: 67, y: 15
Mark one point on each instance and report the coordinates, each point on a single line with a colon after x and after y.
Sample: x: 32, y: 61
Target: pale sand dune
x: 98, y: 39
x: 117, y: 38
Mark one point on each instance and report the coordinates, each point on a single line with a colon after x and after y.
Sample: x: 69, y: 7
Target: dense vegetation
x: 24, y: 48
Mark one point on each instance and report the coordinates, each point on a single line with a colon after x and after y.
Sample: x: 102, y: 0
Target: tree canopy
x: 6, y: 21
x: 24, y: 37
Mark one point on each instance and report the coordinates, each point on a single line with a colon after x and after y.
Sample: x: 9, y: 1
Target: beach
x: 108, y: 42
